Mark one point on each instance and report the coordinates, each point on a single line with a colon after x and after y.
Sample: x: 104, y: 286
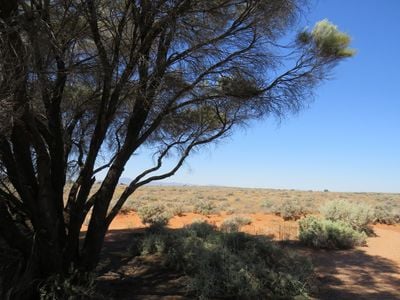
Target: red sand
x: 262, y: 224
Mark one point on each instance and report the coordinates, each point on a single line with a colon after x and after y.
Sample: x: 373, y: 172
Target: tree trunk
x: 92, y: 249
x: 95, y: 236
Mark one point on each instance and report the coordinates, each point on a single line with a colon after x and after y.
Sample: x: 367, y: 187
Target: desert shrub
x: 154, y: 243
x: 291, y: 209
x: 177, y: 210
x: 154, y: 214
x: 320, y: 233
x: 309, y: 205
x: 268, y: 205
x: 128, y: 207
x: 235, y: 265
x: 200, y: 228
x: 387, y: 212
x: 358, y: 215
x: 234, y: 223
x: 204, y: 207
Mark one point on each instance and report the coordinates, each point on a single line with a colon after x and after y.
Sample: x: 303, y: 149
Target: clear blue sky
x: 349, y: 137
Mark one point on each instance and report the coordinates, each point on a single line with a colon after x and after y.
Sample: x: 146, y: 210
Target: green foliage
x: 233, y: 265
x: 239, y: 86
x: 154, y: 243
x: 328, y: 40
x: 358, y: 215
x: 76, y: 285
x: 154, y: 214
x: 204, y: 207
x: 320, y: 233
x: 387, y: 212
x: 191, y: 117
x: 304, y: 37
x: 234, y: 223
x: 290, y: 209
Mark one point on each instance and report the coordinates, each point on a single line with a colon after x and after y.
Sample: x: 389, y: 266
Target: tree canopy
x: 85, y: 84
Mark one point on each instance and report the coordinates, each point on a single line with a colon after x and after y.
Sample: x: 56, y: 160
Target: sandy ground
x: 262, y: 224
x: 371, y: 272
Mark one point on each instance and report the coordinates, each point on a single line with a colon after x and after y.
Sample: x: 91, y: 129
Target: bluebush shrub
x: 320, y: 233
x: 233, y: 265
x: 359, y: 215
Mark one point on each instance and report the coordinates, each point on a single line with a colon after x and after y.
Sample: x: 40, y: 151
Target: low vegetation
x: 231, y: 265
x: 387, y: 212
x: 76, y: 286
x: 154, y: 214
x: 328, y: 234
x: 177, y: 210
x: 268, y: 205
x: 234, y: 223
x: 205, y: 207
x: 222, y: 262
x: 128, y: 208
x: 290, y: 209
x: 345, y: 225
x: 359, y: 215
x: 241, y: 200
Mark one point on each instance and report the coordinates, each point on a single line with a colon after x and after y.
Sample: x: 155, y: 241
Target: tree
x: 85, y: 84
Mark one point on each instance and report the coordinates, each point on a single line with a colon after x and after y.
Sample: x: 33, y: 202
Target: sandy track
x: 371, y: 272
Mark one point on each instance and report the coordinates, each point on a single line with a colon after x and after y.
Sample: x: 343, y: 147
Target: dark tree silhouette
x: 85, y: 84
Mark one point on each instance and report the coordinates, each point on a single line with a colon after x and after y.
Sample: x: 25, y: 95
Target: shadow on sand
x: 123, y: 276
x: 353, y: 274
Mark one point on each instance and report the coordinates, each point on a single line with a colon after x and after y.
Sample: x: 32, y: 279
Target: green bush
x: 387, y: 212
x: 268, y: 205
x: 204, y: 207
x: 233, y: 265
x: 234, y: 223
x: 200, y: 228
x: 358, y: 215
x: 154, y: 214
x: 320, y: 233
x: 290, y: 209
x: 177, y: 209
x: 153, y: 243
